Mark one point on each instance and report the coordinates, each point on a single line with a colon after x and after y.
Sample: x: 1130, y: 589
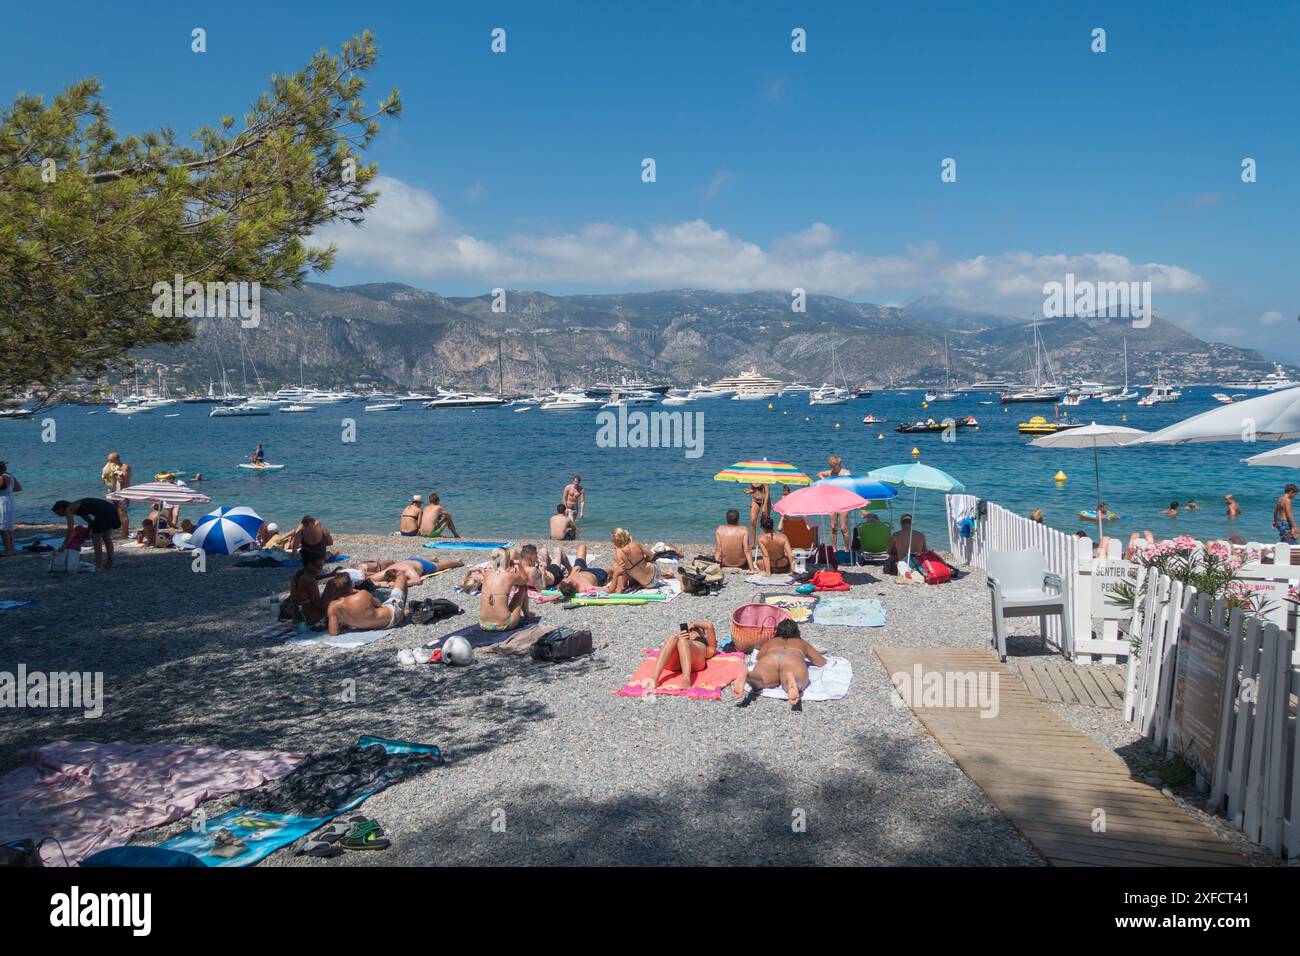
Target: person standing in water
x: 839, y: 522
x: 1234, y: 509
x: 574, y: 497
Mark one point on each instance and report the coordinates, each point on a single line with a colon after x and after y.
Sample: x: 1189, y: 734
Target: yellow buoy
x: 837, y: 424
x: 1004, y: 409
x: 880, y: 437
x: 1060, y: 476
x: 769, y: 406
x: 925, y: 404
x: 786, y: 412
x: 916, y: 453
x: 1123, y: 418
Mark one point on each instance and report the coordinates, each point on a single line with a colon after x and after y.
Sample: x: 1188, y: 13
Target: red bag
x: 934, y: 568
x: 829, y: 581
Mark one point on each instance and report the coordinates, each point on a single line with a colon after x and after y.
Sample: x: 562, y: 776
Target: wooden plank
x: 1050, y: 780
x: 1032, y: 682
x: 1081, y: 692
x: 1102, y: 690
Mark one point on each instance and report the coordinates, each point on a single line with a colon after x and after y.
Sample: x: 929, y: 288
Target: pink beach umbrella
x: 819, y: 500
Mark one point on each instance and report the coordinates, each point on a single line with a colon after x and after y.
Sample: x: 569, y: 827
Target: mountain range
x: 394, y: 335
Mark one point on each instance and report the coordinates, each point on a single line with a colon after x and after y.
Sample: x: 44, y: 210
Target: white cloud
x: 1270, y: 318
x: 407, y: 234
x: 717, y: 182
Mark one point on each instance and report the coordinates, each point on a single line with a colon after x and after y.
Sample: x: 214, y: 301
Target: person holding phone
x: 684, y: 652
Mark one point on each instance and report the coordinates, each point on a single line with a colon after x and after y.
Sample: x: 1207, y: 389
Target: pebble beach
x: 545, y: 764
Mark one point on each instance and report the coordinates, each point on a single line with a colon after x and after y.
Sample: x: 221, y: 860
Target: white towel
x: 349, y: 640
x: 824, y: 683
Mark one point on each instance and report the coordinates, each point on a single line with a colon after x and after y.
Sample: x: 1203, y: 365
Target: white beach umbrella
x: 1271, y: 417
x: 1288, y: 456
x: 163, y: 492
x: 1092, y: 436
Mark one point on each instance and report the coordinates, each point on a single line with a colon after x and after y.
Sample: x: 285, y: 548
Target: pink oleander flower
x: 1185, y: 542
x: 1293, y: 593
x: 1219, y: 550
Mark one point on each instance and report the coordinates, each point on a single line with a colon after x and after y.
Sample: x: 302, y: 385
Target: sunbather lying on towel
x: 582, y: 577
x: 412, y: 569
x: 542, y: 571
x: 782, y: 661
x: 503, y: 603
x: 684, y: 652
x: 362, y: 611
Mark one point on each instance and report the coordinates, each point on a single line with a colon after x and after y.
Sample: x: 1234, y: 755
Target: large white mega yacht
x: 749, y: 385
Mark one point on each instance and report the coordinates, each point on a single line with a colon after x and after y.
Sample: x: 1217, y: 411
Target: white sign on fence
x: 1105, y: 575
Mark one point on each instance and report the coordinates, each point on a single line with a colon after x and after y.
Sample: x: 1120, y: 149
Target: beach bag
x: 829, y: 581
x: 701, y: 576
x: 562, y: 644
x: 435, y: 609
x: 825, y: 554
x: 933, y: 567
x: 65, y: 562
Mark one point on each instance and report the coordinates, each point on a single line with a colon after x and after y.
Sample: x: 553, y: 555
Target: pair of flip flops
x: 358, y: 832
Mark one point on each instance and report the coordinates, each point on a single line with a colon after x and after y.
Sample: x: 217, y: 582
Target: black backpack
x: 434, y: 609
x: 562, y: 644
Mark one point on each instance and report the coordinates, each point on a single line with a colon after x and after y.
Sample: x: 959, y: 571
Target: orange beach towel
x: 719, y: 671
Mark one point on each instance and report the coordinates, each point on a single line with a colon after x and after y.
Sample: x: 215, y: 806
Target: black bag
x: 435, y: 609
x: 562, y: 644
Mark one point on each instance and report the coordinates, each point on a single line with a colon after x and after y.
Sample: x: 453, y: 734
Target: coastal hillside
x: 390, y: 334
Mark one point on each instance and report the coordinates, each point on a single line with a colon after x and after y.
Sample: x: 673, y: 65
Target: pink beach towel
x: 719, y: 671
x: 91, y: 796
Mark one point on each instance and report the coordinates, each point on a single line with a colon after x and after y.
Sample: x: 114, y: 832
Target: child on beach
x: 684, y: 653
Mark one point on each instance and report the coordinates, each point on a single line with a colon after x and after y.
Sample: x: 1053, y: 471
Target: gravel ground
x: 576, y: 774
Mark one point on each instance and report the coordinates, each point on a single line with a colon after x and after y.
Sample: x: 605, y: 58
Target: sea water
x: 502, y: 471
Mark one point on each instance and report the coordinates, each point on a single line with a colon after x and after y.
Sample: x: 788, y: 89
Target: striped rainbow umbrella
x: 226, y: 530
x: 763, y: 473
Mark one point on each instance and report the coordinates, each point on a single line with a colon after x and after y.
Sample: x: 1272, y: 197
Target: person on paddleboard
x: 258, y: 457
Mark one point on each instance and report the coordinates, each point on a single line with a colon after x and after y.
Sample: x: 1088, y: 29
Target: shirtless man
x: 776, y: 556
x: 310, y: 537
x: 782, y: 661
x: 902, y: 542
x: 409, y: 523
x: 685, y: 652
x: 312, y: 603
x: 1171, y: 511
x: 503, y: 602
x: 760, y: 503
x: 362, y: 611
x: 731, y: 543
x: 582, y: 577
x: 574, y: 498
x: 563, y: 527
x: 1284, y: 516
x: 435, y: 519
x: 634, y: 564
x: 839, y: 522
x: 1233, y: 509
x: 412, y: 570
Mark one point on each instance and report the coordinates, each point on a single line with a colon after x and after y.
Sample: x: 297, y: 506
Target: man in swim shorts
x: 582, y: 577
x: 1284, y: 516
x: 562, y: 526
x: 362, y: 611
x: 101, y: 517
x: 435, y: 519
x: 731, y: 543
x: 503, y: 602
x: 782, y: 662
x: 412, y: 570
x: 574, y: 498
x: 409, y: 524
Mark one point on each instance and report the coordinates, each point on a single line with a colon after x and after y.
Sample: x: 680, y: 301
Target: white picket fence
x: 1255, y: 777
x: 1098, y: 634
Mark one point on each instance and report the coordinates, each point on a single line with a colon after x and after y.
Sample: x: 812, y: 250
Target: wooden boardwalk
x: 1063, y: 683
x: 1055, y: 785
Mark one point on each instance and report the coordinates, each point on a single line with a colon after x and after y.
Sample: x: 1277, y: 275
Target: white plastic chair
x: 1021, y: 586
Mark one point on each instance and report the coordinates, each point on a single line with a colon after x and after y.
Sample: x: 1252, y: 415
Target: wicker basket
x: 752, y: 625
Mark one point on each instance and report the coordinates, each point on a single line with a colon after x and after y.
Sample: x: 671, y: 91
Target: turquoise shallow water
x: 498, y: 470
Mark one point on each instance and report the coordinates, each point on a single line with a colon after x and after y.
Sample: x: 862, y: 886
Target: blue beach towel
x: 849, y: 612
x: 10, y: 605
x: 455, y: 544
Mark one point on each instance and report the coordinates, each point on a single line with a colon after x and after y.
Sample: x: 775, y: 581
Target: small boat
x: 1038, y: 425
x: 945, y: 396
x: 242, y: 410
x: 570, y: 402
x: 1092, y: 516
x: 253, y: 466
x: 523, y: 408
x: 393, y: 406
x: 873, y: 420
x: 1160, y: 394
x: 1225, y: 399
x: 297, y: 408
x: 930, y: 426
x: 18, y: 414
x: 173, y: 415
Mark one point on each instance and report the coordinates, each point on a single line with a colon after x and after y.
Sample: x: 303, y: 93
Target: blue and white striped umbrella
x: 226, y: 530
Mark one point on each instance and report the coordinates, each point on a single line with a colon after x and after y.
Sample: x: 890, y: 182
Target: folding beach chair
x: 873, y: 540
x: 803, y: 541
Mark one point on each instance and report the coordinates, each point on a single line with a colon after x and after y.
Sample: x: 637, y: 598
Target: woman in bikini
x: 774, y: 548
x: 782, y: 662
x: 634, y: 565
x: 684, y: 652
x: 760, y: 503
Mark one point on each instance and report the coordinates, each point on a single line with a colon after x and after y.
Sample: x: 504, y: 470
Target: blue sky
x: 776, y: 169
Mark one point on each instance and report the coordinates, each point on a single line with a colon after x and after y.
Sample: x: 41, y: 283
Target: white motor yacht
x: 572, y: 401
x: 447, y: 399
